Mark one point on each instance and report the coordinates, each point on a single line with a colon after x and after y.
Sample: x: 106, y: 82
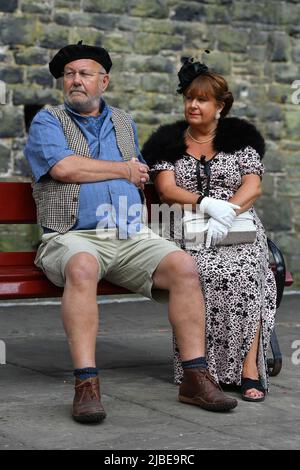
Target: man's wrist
x: 200, y: 199
x: 129, y: 171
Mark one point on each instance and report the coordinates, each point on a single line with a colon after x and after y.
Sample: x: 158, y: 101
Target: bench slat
x: 30, y: 288
x: 17, y: 258
x: 17, y: 204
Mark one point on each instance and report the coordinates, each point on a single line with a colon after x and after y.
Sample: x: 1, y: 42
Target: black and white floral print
x: 238, y: 285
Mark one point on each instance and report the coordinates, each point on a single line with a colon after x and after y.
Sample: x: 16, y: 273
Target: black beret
x: 78, y: 51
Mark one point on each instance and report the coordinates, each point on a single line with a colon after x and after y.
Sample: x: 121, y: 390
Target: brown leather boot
x: 199, y: 388
x: 87, y: 406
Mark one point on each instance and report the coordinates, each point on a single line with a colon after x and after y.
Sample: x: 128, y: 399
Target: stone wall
x: 255, y: 43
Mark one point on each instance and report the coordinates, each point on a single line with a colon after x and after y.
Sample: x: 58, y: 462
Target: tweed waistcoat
x: 57, y: 202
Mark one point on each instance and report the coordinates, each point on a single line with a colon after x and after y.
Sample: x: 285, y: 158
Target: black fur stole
x: 233, y: 134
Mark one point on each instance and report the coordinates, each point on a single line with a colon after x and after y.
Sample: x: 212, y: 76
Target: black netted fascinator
x: 188, y: 72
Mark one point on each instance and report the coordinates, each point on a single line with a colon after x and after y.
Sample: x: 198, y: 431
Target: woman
x: 207, y: 155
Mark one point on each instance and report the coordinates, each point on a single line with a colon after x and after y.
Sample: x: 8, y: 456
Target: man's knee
x: 82, y: 267
x: 181, y: 266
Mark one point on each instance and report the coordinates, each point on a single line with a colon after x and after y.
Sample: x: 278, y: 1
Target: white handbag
x: 195, y: 226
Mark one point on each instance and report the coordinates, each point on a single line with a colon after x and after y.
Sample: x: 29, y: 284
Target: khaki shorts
x: 128, y: 262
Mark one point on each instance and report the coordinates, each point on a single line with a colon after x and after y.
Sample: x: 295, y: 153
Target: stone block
x: 286, y: 73
x: 293, y: 31
x: 270, y: 112
x: 118, y: 42
x: 258, y: 53
x: 144, y: 132
x: 103, y: 6
x: 21, y: 166
x: 125, y: 82
x: 155, y: 43
x: 276, y: 213
x: 156, y: 83
x: 8, y: 6
x: 217, y: 14
x: 257, y: 94
x: 153, y: 9
x: 268, y: 185
x: 35, y: 6
x: 140, y: 100
x: 219, y: 61
x: 143, y: 117
x: 53, y: 36
x: 11, y: 74
x: 148, y: 64
x: 17, y: 30
x: 36, y: 95
x: 5, y: 152
x: 273, y: 160
x: 278, y: 47
x: 6, y: 55
x: 149, y: 25
x: 11, y: 121
x: 266, y: 13
x: 258, y: 37
x: 94, y: 20
x: 289, y: 186
x: 295, y: 203
x: 89, y: 36
x: 280, y: 93
x: 233, y: 40
x: 69, y: 4
x: 32, y: 56
x: 296, y: 53
x: 274, y: 130
x: 41, y: 76
x: 189, y: 11
x: 15, y: 237
x: 290, y: 14
x: 292, y: 124
x: 289, y: 245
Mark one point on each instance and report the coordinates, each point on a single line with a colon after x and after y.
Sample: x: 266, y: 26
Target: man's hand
x: 216, y: 232
x: 222, y: 211
x: 137, y: 172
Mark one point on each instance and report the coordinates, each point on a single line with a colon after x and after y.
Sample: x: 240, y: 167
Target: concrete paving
x: 134, y: 354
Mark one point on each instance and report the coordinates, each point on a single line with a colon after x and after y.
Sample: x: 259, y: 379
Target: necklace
x: 198, y: 141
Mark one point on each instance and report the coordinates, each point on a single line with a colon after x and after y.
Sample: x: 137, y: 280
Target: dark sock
x: 86, y: 373
x: 197, y: 362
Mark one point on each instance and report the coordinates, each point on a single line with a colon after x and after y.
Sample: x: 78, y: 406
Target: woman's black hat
x: 78, y: 51
x: 188, y: 72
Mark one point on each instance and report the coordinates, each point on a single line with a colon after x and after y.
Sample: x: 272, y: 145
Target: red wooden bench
x: 20, y: 278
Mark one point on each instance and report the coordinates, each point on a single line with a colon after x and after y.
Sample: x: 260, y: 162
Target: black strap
x: 207, y: 171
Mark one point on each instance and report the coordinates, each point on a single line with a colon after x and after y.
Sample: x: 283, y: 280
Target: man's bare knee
x: 182, y: 264
x: 177, y: 267
x: 82, y: 267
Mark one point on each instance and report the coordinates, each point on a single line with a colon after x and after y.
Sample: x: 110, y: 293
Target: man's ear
x: 105, y: 82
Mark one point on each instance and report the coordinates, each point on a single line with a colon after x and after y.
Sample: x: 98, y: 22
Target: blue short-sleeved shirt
x: 103, y: 203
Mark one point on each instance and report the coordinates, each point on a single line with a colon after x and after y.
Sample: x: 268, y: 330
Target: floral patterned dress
x: 238, y: 285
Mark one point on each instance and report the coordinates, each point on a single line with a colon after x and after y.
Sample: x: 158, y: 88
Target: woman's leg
x: 250, y: 367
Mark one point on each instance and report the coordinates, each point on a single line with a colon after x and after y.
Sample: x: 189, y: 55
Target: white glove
x: 216, y: 232
x: 220, y: 210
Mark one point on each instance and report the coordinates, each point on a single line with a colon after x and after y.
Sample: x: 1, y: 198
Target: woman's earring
x: 218, y: 114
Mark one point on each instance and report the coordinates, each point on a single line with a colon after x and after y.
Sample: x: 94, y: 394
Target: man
x: 88, y: 180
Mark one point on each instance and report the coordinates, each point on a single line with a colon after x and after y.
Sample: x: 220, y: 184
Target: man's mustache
x: 77, y: 90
